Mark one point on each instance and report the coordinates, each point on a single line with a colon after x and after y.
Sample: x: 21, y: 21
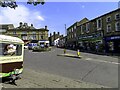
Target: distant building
x: 73, y: 33
x: 54, y: 38
x: 62, y: 42
x: 5, y: 27
x: 25, y: 32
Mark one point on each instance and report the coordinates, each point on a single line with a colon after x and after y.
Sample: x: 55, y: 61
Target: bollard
x: 64, y: 51
x: 78, y: 52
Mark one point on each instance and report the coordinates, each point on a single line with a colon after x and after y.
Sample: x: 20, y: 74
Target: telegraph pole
x: 65, y: 35
x: 65, y: 30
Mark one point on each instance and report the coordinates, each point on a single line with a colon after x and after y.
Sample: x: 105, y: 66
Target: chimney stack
x: 21, y: 24
x: 50, y: 34
x: 46, y: 27
x: 58, y: 33
x: 31, y: 25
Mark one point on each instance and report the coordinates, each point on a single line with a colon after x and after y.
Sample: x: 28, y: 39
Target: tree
x: 13, y: 4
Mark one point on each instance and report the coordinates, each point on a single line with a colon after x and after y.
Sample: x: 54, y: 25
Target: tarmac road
x: 93, y: 70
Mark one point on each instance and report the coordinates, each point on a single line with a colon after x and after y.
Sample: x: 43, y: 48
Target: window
x: 75, y: 35
x: 87, y: 27
x: 24, y: 32
x: 69, y: 30
x: 72, y: 36
x: 24, y: 37
x: 108, y: 19
x: 14, y: 33
x: 74, y: 27
x: 41, y: 37
x: 108, y: 27
x: 81, y: 29
x: 7, y: 49
x: 33, y: 37
x: 117, y: 26
x: 99, y: 24
x: 33, y: 32
x: 117, y: 16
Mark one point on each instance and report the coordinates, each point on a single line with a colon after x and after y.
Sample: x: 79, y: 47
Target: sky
x: 54, y: 14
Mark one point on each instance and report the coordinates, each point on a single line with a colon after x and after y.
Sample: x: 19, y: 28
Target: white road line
x: 91, y: 59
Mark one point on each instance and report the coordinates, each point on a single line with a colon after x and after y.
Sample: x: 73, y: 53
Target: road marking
x: 111, y: 62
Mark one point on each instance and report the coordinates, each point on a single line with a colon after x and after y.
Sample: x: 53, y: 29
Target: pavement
x: 69, y: 55
x: 33, y: 79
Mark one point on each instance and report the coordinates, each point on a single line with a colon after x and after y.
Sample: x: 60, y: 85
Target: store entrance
x: 117, y: 46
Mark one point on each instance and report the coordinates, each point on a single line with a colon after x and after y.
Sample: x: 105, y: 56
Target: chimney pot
x: 46, y: 27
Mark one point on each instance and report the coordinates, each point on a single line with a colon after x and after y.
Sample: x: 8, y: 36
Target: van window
x: 7, y: 49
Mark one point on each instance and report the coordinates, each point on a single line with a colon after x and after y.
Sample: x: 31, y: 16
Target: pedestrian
x: 96, y: 48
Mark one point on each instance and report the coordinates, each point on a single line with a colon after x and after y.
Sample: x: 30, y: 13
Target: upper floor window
x: 117, y: 16
x: 108, y: 19
x: 108, y: 27
x: 41, y: 37
x: 87, y: 27
x: 117, y: 26
x: 33, y: 32
x: 99, y: 24
x: 74, y: 27
x: 67, y: 32
x: 14, y: 33
x: 24, y: 32
x: 75, y: 35
x: 81, y: 29
x: 72, y: 36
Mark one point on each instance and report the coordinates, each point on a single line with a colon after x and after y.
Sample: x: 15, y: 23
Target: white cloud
x: 40, y: 18
x: 20, y: 14
x: 83, y: 6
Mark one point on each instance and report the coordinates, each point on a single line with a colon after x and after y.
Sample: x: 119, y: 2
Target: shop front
x: 90, y: 43
x: 112, y: 44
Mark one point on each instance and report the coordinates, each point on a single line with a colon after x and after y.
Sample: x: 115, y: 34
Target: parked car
x: 32, y: 44
x: 25, y: 46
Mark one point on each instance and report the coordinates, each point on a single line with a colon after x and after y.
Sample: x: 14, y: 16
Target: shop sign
x: 113, y: 38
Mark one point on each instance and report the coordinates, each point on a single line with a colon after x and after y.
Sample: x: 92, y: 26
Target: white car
x: 25, y: 46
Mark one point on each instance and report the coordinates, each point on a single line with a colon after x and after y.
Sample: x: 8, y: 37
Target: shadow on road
x: 7, y: 80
